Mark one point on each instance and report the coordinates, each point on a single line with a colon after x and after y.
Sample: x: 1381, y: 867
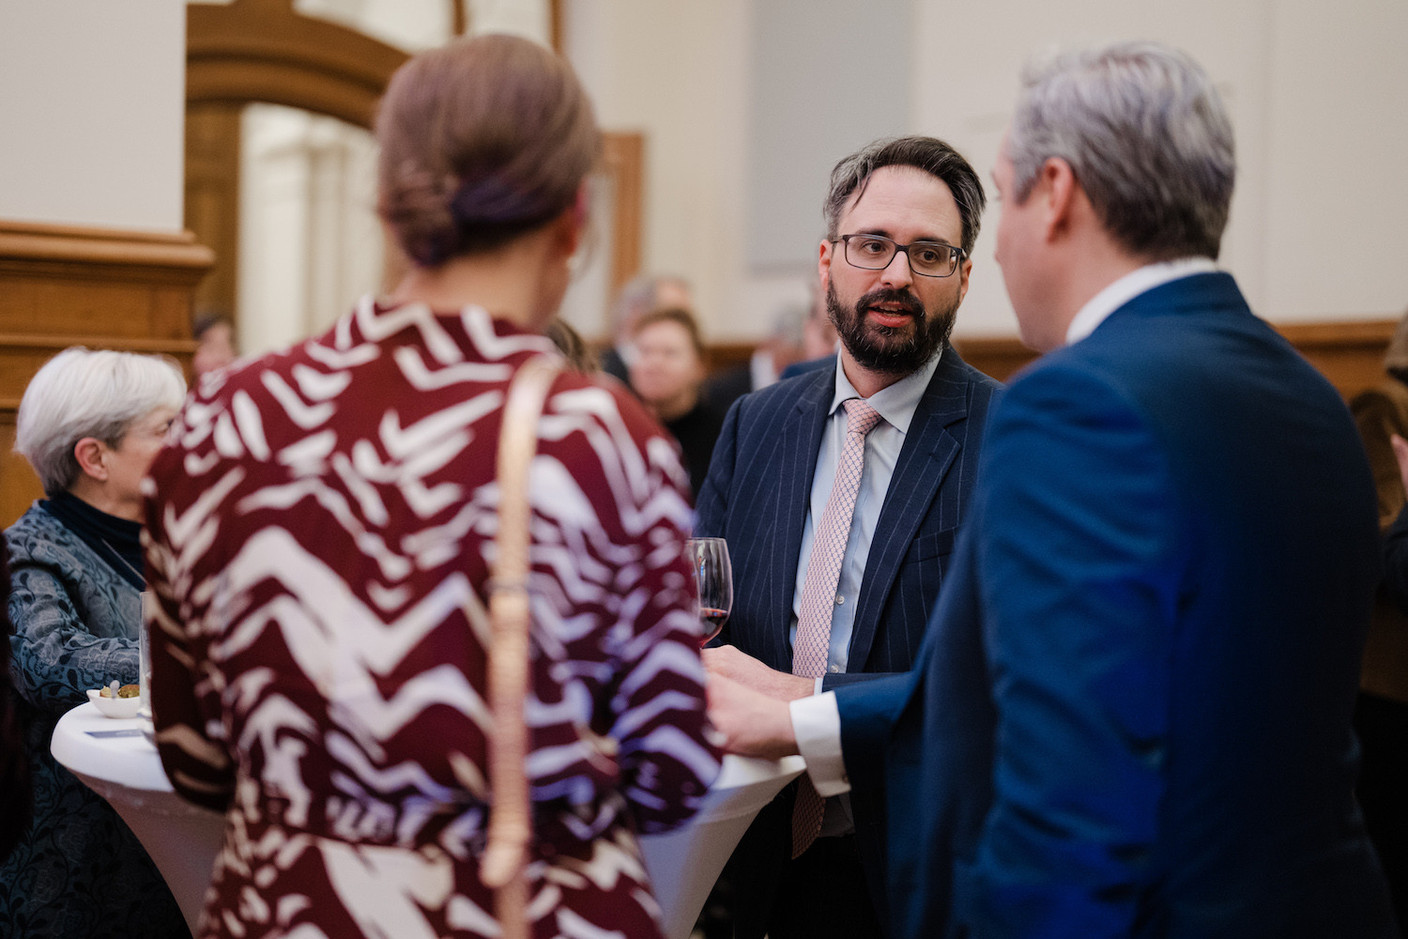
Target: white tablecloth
x: 183, y: 839
x: 684, y: 864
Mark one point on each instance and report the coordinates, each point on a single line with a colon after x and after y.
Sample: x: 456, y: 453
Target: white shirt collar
x: 761, y: 371
x: 1131, y: 285
x: 896, y: 403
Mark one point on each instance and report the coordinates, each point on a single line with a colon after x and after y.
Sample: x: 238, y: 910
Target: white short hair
x: 89, y: 393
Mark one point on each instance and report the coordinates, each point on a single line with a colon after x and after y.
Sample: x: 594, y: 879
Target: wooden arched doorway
x: 263, y: 51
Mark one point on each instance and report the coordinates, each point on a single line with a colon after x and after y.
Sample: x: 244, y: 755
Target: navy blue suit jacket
x: 758, y: 489
x: 1132, y: 714
x: 756, y: 496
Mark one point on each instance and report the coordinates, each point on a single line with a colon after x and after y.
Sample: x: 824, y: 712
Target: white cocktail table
x: 114, y: 759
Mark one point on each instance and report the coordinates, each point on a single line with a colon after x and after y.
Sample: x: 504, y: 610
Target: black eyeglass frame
x: 956, y: 254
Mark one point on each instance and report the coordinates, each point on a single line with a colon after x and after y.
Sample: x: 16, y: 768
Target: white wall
x: 679, y: 73
x: 92, y: 106
x: 92, y: 99
x: 1318, y: 96
x: 966, y: 95
x: 1337, y: 126
x: 1319, y: 102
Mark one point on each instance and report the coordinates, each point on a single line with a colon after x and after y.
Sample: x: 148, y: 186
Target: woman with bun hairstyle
x: 323, y: 531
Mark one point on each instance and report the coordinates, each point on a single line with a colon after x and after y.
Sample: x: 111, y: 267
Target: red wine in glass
x: 713, y: 621
x: 713, y: 580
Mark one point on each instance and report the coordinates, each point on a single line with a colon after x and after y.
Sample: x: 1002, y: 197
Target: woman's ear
x: 573, y: 222
x: 89, y: 451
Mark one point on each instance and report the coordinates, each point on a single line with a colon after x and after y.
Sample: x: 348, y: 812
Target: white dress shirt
x: 816, y: 720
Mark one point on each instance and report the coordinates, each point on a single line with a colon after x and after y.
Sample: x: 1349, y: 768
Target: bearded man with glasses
x: 839, y: 493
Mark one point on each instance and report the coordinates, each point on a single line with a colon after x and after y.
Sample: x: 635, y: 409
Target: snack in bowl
x: 124, y: 703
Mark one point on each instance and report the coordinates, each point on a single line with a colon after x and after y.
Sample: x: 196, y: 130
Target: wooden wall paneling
x: 998, y: 356
x: 623, y: 157
x: 1350, y: 354
x: 103, y: 288
x: 18, y: 485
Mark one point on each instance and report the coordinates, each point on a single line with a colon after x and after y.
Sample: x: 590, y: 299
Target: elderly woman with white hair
x: 89, y: 423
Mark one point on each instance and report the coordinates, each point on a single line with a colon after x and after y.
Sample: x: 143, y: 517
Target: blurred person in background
x: 89, y: 423
x: 324, y: 529
x: 571, y: 344
x: 214, y: 334
x: 667, y: 373
x: 1381, y: 711
x: 783, y: 346
x: 819, y: 340
x: 637, y: 298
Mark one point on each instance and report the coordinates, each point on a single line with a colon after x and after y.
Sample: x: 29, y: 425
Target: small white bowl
x: 114, y: 707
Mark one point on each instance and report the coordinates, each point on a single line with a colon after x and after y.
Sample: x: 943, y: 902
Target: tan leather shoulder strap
x: 510, y: 815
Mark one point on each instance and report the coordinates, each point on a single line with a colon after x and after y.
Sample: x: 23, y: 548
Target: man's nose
x: 897, y: 273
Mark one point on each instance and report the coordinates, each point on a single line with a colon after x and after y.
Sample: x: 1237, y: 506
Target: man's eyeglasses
x: 926, y: 258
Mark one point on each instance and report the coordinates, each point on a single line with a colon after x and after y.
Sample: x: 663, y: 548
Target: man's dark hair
x: 929, y: 154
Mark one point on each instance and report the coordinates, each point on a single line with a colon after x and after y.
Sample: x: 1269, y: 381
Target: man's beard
x: 886, y: 349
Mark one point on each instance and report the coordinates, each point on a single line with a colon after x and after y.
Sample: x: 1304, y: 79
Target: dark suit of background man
x: 1131, y: 716
x: 771, y: 479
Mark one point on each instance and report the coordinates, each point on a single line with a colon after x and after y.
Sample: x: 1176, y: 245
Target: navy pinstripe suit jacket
x: 760, y: 482
x: 756, y: 496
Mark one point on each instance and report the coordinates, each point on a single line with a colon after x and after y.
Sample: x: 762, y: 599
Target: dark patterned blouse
x: 321, y: 532
x: 78, y: 871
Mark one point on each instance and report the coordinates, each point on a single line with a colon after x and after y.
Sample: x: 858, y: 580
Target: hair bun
x: 494, y: 200
x: 482, y: 140
x: 417, y: 208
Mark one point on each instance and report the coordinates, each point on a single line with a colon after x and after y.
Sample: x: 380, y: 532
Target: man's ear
x: 1059, y: 189
x: 89, y: 451
x: 965, y: 269
x: 823, y: 264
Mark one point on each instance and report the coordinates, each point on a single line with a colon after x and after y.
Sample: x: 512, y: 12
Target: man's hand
x: 752, y: 723
x: 728, y: 662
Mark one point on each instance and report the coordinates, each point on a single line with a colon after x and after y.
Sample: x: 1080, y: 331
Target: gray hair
x: 1147, y: 137
x: 789, y: 323
x: 89, y: 393
x: 638, y: 297
x: 931, y: 155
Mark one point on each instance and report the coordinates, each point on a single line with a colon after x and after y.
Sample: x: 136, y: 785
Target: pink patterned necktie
x: 813, y: 643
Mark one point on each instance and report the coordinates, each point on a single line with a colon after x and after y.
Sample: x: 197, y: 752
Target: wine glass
x: 713, y: 575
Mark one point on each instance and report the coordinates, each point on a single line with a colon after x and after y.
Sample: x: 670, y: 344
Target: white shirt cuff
x: 817, y: 723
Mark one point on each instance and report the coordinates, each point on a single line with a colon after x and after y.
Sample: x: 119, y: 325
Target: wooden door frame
x: 264, y: 51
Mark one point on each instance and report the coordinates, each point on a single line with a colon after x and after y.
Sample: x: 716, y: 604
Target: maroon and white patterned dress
x: 321, y: 524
